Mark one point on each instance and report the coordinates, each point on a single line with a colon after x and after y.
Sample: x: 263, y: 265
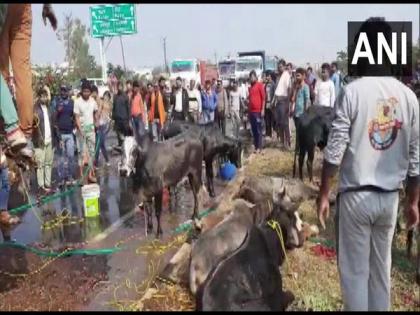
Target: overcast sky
x: 298, y: 32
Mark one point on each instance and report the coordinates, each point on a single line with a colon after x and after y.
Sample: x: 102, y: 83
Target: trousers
x: 366, y: 222
x: 15, y: 43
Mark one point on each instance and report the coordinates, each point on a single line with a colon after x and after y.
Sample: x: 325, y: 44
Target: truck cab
x: 248, y: 61
x: 227, y: 70
x: 187, y: 69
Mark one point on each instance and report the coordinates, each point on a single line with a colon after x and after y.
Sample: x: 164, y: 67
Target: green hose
x: 100, y: 251
x: 46, y: 253
x: 56, y: 196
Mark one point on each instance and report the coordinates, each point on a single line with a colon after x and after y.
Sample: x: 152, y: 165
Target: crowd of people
x: 374, y: 138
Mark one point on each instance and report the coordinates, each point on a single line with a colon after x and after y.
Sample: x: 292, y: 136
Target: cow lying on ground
x: 249, y: 278
x: 216, y: 244
x: 154, y: 166
x: 214, y: 144
x: 311, y: 131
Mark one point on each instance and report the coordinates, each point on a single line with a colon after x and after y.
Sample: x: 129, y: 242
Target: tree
x: 342, y: 59
x: 65, y: 34
x: 74, y: 36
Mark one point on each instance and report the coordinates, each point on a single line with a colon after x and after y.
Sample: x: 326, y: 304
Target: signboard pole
x: 103, y: 60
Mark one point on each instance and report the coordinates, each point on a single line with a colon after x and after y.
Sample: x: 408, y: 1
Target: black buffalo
x: 249, y: 278
x: 312, y: 130
x: 154, y: 166
x: 214, y: 144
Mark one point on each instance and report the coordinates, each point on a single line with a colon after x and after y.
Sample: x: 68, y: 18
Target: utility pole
x: 164, y: 55
x: 122, y: 50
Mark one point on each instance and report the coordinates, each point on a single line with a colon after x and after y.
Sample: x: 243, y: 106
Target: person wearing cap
x: 43, y: 141
x: 179, y: 101
x: 64, y: 125
x: 85, y: 109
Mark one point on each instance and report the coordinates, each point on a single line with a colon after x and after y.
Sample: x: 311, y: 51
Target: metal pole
x: 103, y: 60
x: 122, y: 50
x: 164, y: 54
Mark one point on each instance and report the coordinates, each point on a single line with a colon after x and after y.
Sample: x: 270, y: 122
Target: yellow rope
x: 36, y: 271
x: 275, y: 225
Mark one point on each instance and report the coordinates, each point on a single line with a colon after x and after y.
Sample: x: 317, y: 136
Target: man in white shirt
x: 194, y: 97
x: 85, y: 108
x: 43, y: 142
x: 324, y: 88
x: 233, y: 111
x: 179, y: 101
x: 281, y: 101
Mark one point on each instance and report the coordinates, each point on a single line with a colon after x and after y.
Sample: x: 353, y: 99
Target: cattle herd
x: 233, y: 264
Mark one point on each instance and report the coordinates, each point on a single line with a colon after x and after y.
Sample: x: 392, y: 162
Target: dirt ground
x: 312, y: 278
x: 60, y: 285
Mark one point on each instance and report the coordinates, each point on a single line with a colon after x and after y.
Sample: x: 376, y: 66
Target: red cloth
x: 256, y: 97
x: 323, y: 251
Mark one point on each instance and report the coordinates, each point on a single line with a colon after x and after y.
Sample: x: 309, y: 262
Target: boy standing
x: 64, y: 120
x: 256, y: 109
x: 324, y: 89
x: 42, y: 138
x: 301, y: 99
x: 84, y: 110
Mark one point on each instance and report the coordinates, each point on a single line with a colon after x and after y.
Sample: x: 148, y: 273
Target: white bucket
x: 90, y: 195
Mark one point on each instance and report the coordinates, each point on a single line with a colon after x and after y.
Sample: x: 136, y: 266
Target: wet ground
x: 103, y: 282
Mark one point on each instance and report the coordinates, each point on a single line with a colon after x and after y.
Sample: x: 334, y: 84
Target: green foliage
x: 74, y: 36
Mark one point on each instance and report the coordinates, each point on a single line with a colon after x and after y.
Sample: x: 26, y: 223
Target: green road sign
x: 113, y: 20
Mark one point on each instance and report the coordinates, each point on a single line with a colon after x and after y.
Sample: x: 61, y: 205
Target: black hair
x: 136, y: 83
x: 281, y: 62
x: 86, y: 85
x: 371, y: 30
x: 310, y: 68
x: 107, y: 93
x: 334, y: 64
x: 149, y: 84
x: 325, y: 66
x: 161, y: 79
x: 300, y: 71
x: 129, y: 82
x: 252, y: 73
x: 178, y: 79
x: 41, y: 91
x: 94, y: 88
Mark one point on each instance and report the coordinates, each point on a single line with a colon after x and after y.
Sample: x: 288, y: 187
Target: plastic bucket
x: 90, y: 195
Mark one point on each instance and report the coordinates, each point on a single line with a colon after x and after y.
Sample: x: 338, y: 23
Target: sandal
x: 7, y: 219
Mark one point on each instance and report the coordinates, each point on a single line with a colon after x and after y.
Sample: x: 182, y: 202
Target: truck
x: 271, y: 63
x: 192, y: 69
x: 226, y: 69
x: 248, y: 61
x: 208, y: 72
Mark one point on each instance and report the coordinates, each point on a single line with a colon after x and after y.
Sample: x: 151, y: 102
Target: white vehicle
x: 187, y: 69
x: 147, y: 73
x: 227, y: 70
x: 245, y: 64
